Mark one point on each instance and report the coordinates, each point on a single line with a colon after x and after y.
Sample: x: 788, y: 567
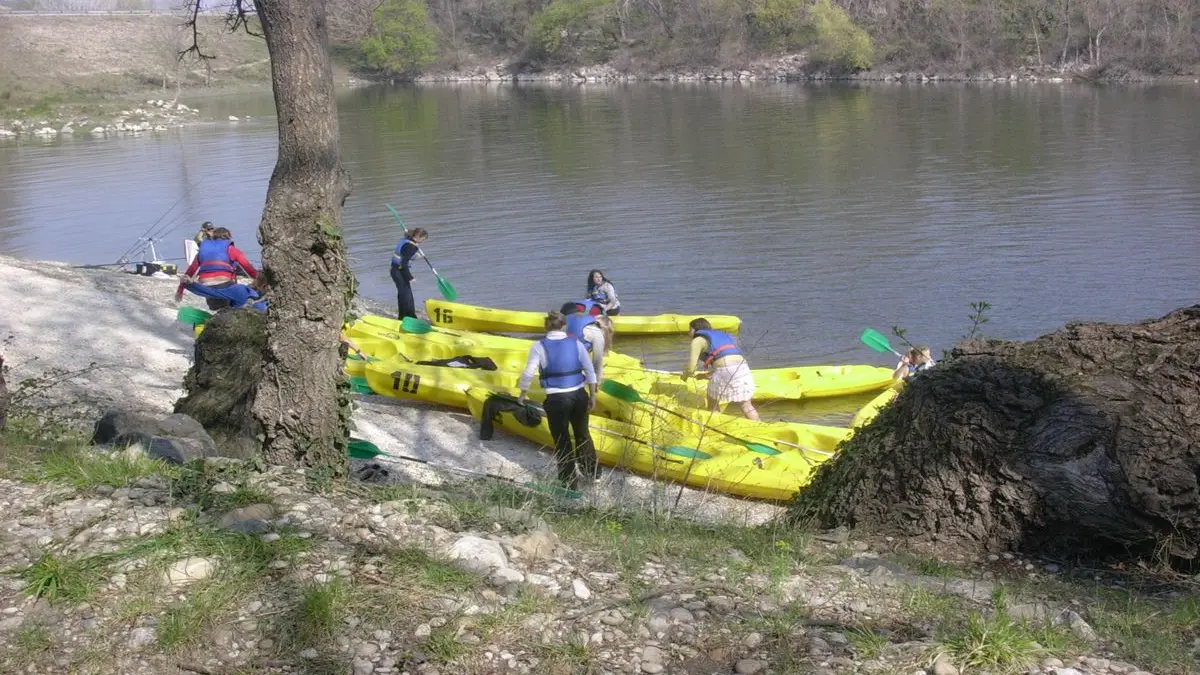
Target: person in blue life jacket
x: 587, y: 323
x: 567, y: 377
x: 917, y: 359
x: 729, y: 376
x: 601, y: 291
x: 402, y: 275
x: 234, y: 296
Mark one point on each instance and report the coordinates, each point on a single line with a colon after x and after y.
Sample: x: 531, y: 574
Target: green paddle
x: 876, y: 340
x: 415, y: 326
x: 627, y: 393
x: 445, y: 287
x: 192, y: 316
x: 360, y: 449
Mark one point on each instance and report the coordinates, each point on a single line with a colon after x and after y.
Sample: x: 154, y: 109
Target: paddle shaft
x: 455, y: 469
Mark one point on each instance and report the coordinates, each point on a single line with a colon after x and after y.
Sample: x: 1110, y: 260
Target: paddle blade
x: 621, y: 391
x: 192, y: 316
x: 761, y: 449
x: 415, y: 326
x: 876, y: 340
x: 358, y: 385
x: 360, y: 449
x: 447, y: 289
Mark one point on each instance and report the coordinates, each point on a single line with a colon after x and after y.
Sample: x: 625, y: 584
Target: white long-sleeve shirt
x: 538, y: 360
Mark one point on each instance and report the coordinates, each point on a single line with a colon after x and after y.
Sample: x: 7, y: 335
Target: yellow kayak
x: 471, y: 317
x: 442, y: 385
x: 868, y: 412
x: 508, y: 353
x: 819, y: 441
x: 771, y: 384
x: 708, y: 463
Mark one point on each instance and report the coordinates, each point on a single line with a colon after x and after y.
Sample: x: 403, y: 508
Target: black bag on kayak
x: 467, y: 361
x: 527, y: 414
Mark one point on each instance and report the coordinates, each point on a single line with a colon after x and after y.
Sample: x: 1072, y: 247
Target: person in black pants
x: 565, y: 369
x: 402, y: 276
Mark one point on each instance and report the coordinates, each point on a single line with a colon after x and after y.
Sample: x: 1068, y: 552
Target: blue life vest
x: 720, y: 344
x: 397, y: 255
x: 563, y: 369
x: 599, y: 296
x: 213, y: 255
x: 576, y: 323
x: 913, y: 370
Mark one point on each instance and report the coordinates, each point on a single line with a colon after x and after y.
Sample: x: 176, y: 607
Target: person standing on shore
x: 729, y: 377
x: 562, y: 363
x: 206, y: 230
x: 594, y: 331
x: 402, y: 276
x: 216, y: 266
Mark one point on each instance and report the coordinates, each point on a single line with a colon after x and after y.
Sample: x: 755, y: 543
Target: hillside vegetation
x: 1105, y: 37
x: 46, y: 60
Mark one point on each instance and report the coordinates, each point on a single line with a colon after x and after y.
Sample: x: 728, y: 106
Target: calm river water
x: 812, y: 212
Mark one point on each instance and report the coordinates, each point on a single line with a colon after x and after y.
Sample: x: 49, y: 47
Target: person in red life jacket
x: 594, y: 330
x: 729, y: 376
x: 216, y: 266
x: 402, y: 276
x: 569, y: 381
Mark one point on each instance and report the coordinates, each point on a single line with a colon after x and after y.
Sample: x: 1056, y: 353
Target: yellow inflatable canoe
x: 471, y: 317
x: 817, y: 440
x: 664, y: 454
x: 869, y: 411
x: 508, y: 353
x: 442, y: 385
x: 771, y: 384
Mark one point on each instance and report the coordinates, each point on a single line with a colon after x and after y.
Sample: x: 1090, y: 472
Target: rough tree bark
x: 1083, y: 443
x: 301, y: 402
x: 3, y: 397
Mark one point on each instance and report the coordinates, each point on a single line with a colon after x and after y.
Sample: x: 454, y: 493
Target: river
x: 812, y: 212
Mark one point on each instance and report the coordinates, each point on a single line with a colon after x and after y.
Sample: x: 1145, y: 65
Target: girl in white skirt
x: 729, y: 377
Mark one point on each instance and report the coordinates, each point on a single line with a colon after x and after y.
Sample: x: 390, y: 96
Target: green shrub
x: 837, y: 40
x: 780, y: 24
x: 560, y: 24
x: 404, y: 39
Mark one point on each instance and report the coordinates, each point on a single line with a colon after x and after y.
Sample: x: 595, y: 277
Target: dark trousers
x: 404, y: 296
x: 216, y: 303
x: 614, y: 311
x: 567, y: 412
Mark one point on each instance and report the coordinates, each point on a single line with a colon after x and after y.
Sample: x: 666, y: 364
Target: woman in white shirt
x: 565, y: 369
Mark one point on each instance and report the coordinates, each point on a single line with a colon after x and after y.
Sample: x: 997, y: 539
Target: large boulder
x: 1082, y: 443
x: 174, y: 438
x: 220, y: 386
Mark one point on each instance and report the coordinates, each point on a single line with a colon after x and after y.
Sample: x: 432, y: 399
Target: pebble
x: 749, y: 666
x: 752, y: 641
x: 651, y: 668
x: 943, y: 666
x: 581, y: 590
x: 363, y: 667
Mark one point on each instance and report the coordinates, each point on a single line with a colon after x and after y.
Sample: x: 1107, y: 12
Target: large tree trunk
x: 301, y: 401
x: 3, y: 397
x: 1083, y: 443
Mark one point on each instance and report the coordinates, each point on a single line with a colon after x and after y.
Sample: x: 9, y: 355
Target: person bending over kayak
x: 565, y: 370
x: 729, y: 377
x: 914, y: 361
x: 594, y: 331
x: 216, y: 266
x: 235, y: 295
x: 402, y: 276
x: 600, y: 290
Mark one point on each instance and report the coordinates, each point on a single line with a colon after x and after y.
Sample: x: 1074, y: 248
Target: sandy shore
x: 102, y: 340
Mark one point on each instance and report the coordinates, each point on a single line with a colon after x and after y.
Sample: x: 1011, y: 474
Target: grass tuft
x: 56, y: 577
x: 432, y: 573
x: 86, y: 470
x: 320, y: 612
x: 443, y: 645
